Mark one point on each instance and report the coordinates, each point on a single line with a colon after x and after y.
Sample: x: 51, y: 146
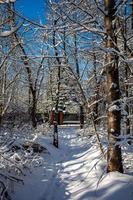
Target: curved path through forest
x: 75, y: 171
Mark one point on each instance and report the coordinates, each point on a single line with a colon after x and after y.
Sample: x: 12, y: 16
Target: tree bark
x: 114, y: 159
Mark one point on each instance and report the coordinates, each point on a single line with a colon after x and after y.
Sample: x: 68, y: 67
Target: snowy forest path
x: 74, y: 171
x: 68, y: 165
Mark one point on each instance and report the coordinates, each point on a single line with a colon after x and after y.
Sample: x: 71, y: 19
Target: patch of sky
x: 33, y: 9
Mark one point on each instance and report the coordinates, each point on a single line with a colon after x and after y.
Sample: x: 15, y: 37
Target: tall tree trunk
x: 56, y: 114
x: 32, y: 89
x: 95, y: 109
x: 81, y: 107
x: 114, y: 158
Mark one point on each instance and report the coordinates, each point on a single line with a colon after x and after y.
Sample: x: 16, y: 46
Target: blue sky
x: 33, y: 9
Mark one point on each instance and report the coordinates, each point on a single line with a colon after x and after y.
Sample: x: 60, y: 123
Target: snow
x: 7, y: 1
x: 129, y: 61
x: 114, y: 108
x: 112, y: 130
x: 113, y: 86
x: 75, y: 171
x: 7, y: 33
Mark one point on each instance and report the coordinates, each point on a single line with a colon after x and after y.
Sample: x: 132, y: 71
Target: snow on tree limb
x: 11, y: 31
x: 114, y: 108
x: 7, y: 1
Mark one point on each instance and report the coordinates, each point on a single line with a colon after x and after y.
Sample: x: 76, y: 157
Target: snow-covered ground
x: 75, y: 171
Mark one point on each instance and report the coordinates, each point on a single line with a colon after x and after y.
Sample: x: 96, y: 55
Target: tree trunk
x: 95, y: 109
x: 56, y: 113
x: 81, y: 107
x: 114, y: 159
x: 33, y: 109
x: 81, y: 117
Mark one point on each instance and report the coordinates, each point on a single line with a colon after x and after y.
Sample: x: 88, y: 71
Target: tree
x: 114, y: 114
x: 81, y: 107
x: 9, y: 69
x: 35, y: 72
